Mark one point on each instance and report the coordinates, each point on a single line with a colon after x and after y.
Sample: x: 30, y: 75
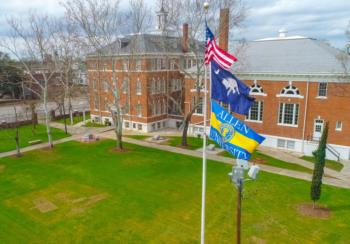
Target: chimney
x: 224, y: 28
x: 185, y: 38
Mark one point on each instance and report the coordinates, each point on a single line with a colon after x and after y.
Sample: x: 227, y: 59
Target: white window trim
x: 254, y: 121
x: 259, y: 109
x: 341, y: 126
x: 318, y: 90
x: 290, y: 96
x: 258, y: 94
x: 321, y: 97
x: 284, y: 124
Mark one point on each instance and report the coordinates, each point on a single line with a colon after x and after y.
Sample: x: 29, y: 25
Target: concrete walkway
x: 291, y: 173
x: 294, y: 158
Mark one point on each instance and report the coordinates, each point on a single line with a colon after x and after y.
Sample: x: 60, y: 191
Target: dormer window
x: 290, y: 91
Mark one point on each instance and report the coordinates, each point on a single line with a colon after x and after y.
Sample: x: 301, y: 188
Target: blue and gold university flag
x: 232, y: 134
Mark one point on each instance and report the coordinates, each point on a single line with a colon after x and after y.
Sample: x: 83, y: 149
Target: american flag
x: 213, y: 52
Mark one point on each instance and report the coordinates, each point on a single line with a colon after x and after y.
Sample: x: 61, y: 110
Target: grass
x: 146, y: 195
x: 8, y: 142
x: 138, y: 137
x: 271, y: 161
x: 331, y: 164
x: 193, y: 143
x: 76, y: 119
x: 93, y: 124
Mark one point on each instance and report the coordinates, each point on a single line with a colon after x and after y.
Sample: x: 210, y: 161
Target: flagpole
x: 204, y: 163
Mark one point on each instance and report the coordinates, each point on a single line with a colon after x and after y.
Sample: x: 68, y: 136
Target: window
x: 162, y: 86
x: 256, y: 89
x: 105, y: 85
x: 94, y: 84
x: 125, y: 85
x: 322, y: 89
x: 290, y: 90
x: 225, y: 106
x: 159, y: 64
x: 173, y: 64
x: 338, y: 126
x: 139, y: 126
x: 138, y: 87
x: 105, y: 66
x: 256, y: 111
x: 105, y: 104
x: 138, y: 110
x: 138, y: 65
x: 127, y: 124
x: 163, y: 63
x: 288, y: 114
x: 199, y: 104
x: 125, y: 64
x: 134, y: 125
x: 159, y: 125
x: 96, y: 102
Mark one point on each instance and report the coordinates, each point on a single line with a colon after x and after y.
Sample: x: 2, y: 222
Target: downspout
x: 305, y: 115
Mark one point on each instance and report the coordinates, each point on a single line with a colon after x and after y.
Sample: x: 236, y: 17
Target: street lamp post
x: 237, y: 178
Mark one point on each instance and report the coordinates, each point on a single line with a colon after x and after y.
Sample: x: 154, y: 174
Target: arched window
x: 256, y: 89
x: 290, y: 90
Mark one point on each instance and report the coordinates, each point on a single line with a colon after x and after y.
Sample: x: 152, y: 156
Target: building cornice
x: 311, y: 77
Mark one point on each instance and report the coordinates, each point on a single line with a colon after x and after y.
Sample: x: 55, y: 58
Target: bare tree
x: 139, y: 15
x: 192, y: 12
x: 18, y: 148
x: 31, y: 42
x: 100, y: 22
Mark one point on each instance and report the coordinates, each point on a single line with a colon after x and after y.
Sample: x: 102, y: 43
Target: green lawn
x: 87, y: 193
x: 93, y: 124
x: 7, y: 141
x: 138, y: 137
x: 259, y: 157
x: 76, y: 119
x: 193, y: 143
x: 331, y: 164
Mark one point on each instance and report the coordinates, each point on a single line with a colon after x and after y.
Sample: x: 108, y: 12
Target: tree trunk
x: 18, y: 148
x: 118, y: 132
x: 119, y: 142
x: 184, y: 133
x: 47, y: 121
x: 18, y: 154
x: 64, y: 118
x: 185, y: 129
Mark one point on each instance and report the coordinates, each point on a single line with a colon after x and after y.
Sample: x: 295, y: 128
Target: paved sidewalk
x: 291, y: 173
x: 294, y: 158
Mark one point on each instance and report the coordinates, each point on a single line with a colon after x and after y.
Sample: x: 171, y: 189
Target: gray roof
x: 149, y: 44
x: 298, y: 55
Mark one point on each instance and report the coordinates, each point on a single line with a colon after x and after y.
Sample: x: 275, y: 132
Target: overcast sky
x: 321, y: 19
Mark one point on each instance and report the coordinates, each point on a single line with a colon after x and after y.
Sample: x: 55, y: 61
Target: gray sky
x: 321, y: 19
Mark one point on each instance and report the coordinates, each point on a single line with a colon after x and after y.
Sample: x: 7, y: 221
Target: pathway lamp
x: 237, y: 178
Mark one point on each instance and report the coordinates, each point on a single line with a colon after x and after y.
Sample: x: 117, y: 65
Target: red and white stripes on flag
x: 213, y: 52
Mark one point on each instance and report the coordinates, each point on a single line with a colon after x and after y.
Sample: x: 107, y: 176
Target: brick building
x: 299, y: 84
x: 147, y: 69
